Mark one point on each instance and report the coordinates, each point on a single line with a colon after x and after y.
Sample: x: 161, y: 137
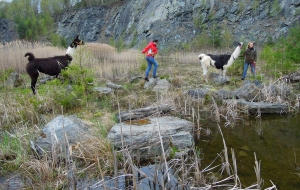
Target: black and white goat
x: 222, y: 62
x: 51, y: 65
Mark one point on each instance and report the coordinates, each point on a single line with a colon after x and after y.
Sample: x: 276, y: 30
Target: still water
x: 274, y: 138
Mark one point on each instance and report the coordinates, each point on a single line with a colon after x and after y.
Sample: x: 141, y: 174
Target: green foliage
x: 275, y: 9
x: 59, y: 41
x: 237, y: 68
x: 173, y: 152
x: 200, y: 41
x: 215, y: 38
x: 227, y: 37
x: 143, y: 66
x: 119, y: 43
x: 135, y: 39
x: 72, y: 90
x: 11, y: 152
x: 4, y: 74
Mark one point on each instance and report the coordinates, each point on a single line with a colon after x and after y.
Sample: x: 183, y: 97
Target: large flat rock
x: 143, y: 135
x: 264, y: 108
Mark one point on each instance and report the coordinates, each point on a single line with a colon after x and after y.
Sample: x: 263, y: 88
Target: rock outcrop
x: 8, y: 31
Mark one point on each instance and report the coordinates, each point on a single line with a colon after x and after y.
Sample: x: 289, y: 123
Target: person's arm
x: 146, y: 48
x: 255, y: 55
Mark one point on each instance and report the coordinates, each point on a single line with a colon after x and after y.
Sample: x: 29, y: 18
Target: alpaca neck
x: 234, y: 56
x: 70, y: 51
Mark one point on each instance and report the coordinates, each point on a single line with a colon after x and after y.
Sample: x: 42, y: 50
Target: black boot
x: 146, y: 79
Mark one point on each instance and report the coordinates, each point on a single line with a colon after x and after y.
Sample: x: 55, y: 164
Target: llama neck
x: 234, y: 56
x: 70, y: 51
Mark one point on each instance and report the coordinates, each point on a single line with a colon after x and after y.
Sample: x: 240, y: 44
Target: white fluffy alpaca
x: 222, y: 62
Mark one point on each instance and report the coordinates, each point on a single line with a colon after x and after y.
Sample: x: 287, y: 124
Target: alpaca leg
x: 205, y: 64
x: 204, y: 68
x: 33, y: 83
x: 224, y: 72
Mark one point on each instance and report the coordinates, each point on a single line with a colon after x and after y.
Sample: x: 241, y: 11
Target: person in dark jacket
x: 151, y: 50
x: 250, y: 59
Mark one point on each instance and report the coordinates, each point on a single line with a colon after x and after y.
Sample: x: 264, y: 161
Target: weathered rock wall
x: 174, y: 22
x: 8, y: 31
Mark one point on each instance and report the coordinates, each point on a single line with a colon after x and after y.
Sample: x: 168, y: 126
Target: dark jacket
x: 250, y: 55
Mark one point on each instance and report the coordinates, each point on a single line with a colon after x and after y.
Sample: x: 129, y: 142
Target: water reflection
x: 276, y: 141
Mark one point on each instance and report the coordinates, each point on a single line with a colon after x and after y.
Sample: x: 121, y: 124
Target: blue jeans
x: 151, y: 61
x: 246, y: 65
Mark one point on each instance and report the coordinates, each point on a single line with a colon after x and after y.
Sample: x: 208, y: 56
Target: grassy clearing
x: 23, y: 115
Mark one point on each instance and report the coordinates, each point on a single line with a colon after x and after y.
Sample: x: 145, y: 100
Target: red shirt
x: 150, y: 49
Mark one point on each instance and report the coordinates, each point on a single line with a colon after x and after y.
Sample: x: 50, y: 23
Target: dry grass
x: 108, y: 64
x: 13, y: 54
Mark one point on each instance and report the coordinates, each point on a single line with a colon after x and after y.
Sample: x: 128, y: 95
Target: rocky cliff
x: 174, y: 22
x: 8, y: 31
x: 177, y: 21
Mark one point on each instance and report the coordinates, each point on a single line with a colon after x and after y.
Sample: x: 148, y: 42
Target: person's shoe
x: 155, y: 77
x: 146, y: 79
x: 243, y: 79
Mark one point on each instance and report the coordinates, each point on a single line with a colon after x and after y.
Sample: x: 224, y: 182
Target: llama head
x: 241, y: 44
x: 201, y: 56
x: 73, y: 45
x: 76, y: 42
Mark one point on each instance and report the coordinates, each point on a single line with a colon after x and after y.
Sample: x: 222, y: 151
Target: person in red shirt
x: 150, y: 50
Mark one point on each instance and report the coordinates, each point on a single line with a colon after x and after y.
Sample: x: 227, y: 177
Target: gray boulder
x: 162, y: 86
x: 144, y: 138
x: 223, y: 94
x: 8, y: 31
x: 53, y: 134
x: 111, y: 85
x: 262, y: 107
x: 14, y: 80
x: 151, y: 83
x: 250, y: 92
x: 103, y: 90
x: 198, y: 93
x: 222, y: 80
x: 143, y: 112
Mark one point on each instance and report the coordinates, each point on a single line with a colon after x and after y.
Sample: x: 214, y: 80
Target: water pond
x: 275, y: 139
